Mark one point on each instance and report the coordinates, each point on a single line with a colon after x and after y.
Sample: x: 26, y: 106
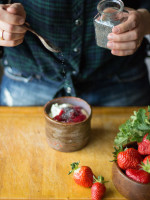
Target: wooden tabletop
x: 30, y: 169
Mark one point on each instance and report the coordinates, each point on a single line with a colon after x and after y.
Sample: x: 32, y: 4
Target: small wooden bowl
x: 68, y: 137
x: 129, y: 188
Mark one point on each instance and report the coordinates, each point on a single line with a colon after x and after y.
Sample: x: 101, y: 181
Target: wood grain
x: 30, y: 169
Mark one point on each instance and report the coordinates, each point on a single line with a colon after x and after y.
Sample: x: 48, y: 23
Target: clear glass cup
x: 110, y: 14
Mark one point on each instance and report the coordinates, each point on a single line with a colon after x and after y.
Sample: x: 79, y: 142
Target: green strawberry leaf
x: 100, y: 179
x: 146, y: 167
x: 116, y: 152
x: 74, y: 166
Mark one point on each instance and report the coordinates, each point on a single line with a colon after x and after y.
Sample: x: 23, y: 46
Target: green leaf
x: 148, y: 108
x: 74, y: 166
x: 116, y: 152
x: 146, y: 167
x: 148, y: 137
x: 134, y: 128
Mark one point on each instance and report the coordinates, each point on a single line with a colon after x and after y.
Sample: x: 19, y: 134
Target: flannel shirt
x: 69, y: 25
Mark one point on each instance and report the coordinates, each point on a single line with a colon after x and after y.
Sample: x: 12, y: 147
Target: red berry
x: 140, y: 176
x: 146, y: 160
x: 82, y: 175
x: 98, y: 189
x: 130, y: 158
x: 144, y: 146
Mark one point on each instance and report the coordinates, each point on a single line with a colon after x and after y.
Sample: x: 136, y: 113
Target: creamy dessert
x: 67, y: 113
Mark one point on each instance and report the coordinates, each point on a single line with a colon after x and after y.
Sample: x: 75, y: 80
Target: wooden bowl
x: 68, y: 137
x: 129, y: 188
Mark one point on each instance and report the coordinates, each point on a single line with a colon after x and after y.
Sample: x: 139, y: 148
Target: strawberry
x: 82, y: 175
x: 146, y: 164
x: 144, y: 146
x: 98, y: 188
x: 129, y: 158
x: 140, y: 176
x: 146, y: 160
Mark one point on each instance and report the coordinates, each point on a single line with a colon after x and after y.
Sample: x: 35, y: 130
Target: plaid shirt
x: 69, y: 25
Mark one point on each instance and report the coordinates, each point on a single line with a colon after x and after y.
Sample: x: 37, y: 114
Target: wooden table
x: 30, y: 169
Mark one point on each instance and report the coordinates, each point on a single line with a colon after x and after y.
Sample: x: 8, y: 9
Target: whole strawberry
x: 144, y: 146
x: 98, y: 188
x: 140, y: 176
x: 129, y: 158
x: 82, y: 175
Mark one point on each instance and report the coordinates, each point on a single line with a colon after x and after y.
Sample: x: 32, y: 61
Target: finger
x: 12, y: 36
x: 131, y: 23
x: 11, y: 43
x: 122, y: 45
x: 5, y: 6
x: 123, y: 37
x: 10, y: 18
x: 12, y: 28
x: 17, y: 9
x: 122, y: 53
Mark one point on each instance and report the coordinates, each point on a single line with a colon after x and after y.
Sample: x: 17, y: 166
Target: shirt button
x: 68, y: 90
x: 5, y: 62
x: 78, y: 22
x: 74, y: 72
x: 76, y: 50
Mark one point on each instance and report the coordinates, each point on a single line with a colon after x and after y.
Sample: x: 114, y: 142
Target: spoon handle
x: 44, y: 41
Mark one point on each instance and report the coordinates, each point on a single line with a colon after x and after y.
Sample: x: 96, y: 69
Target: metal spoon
x: 44, y: 41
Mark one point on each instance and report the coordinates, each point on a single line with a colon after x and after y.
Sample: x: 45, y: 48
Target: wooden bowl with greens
x: 131, y: 169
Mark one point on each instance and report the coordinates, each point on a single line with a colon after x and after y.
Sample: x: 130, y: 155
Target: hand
x: 126, y: 38
x: 12, y: 16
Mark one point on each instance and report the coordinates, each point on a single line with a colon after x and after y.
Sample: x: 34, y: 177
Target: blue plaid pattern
x: 82, y: 59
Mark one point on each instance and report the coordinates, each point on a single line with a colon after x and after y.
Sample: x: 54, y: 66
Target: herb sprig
x: 134, y: 128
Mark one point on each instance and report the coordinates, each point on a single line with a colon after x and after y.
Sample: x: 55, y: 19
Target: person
x: 33, y: 75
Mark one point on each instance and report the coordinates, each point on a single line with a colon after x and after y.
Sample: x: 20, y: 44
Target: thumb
x: 17, y: 9
x: 131, y: 22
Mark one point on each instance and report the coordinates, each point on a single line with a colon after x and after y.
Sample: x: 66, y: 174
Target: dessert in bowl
x: 67, y: 113
x: 68, y: 123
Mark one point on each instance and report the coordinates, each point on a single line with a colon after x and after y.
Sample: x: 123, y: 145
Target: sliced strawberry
x: 79, y: 118
x: 59, y: 117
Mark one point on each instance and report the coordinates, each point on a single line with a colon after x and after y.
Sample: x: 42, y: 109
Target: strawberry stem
x: 100, y: 179
x: 116, y: 152
x: 146, y: 167
x: 74, y: 166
